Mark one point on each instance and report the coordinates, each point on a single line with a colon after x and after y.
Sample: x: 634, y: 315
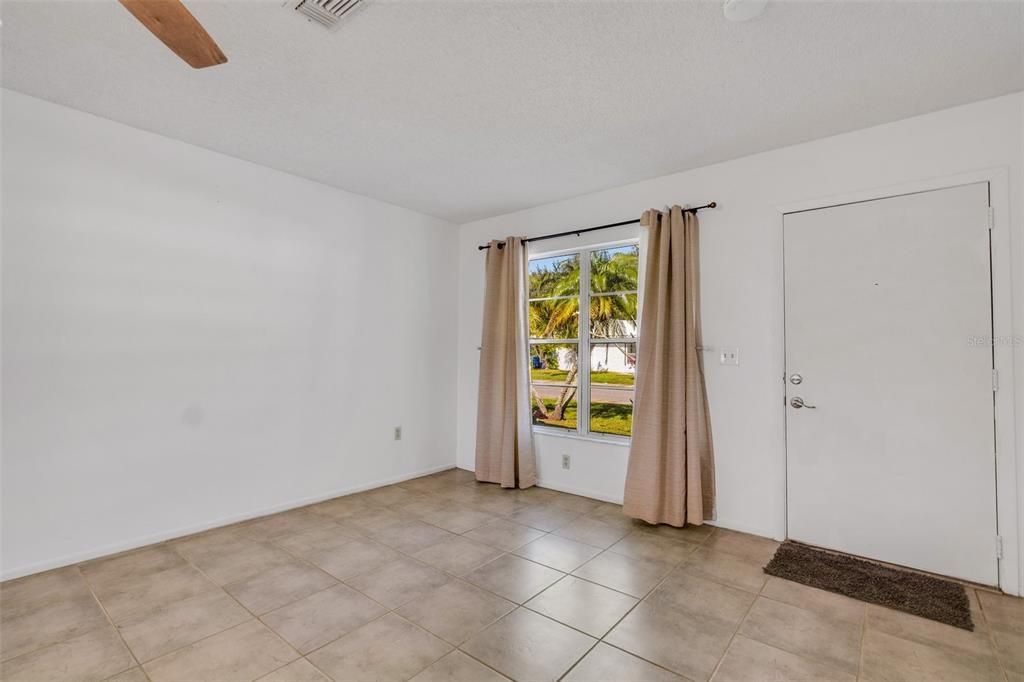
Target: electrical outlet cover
x: 729, y: 356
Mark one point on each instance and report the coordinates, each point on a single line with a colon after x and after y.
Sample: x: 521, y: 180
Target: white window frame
x: 583, y: 341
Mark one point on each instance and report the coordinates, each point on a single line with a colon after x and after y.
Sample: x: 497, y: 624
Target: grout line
x: 863, y: 635
x: 444, y: 493
x: 736, y: 631
x: 991, y: 636
x: 88, y: 585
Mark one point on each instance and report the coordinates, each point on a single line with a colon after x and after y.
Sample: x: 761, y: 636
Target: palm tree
x: 557, y: 316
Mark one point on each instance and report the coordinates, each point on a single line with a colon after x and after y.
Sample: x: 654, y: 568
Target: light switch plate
x: 730, y: 355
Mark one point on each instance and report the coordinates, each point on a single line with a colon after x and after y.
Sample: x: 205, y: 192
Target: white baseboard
x: 718, y: 523
x: 744, y: 528
x: 115, y: 548
x: 581, y: 492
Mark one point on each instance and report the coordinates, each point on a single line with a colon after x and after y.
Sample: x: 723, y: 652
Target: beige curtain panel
x: 504, y: 435
x: 671, y: 474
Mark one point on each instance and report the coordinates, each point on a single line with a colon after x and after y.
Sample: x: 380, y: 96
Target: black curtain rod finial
x: 713, y: 204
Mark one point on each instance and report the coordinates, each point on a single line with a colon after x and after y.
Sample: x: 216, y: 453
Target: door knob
x: 798, y: 402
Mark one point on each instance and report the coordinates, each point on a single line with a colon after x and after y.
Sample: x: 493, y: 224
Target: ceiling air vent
x: 327, y: 13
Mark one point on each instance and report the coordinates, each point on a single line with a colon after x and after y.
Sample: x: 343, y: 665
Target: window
x: 584, y: 305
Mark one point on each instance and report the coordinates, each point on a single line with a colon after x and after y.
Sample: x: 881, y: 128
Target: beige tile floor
x: 442, y: 578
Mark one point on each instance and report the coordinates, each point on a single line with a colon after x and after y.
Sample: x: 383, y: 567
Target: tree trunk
x: 541, y: 407
x: 565, y: 396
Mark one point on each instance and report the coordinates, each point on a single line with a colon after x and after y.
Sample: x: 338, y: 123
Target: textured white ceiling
x: 471, y: 109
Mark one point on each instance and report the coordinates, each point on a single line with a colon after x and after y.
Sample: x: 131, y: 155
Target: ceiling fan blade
x: 174, y: 25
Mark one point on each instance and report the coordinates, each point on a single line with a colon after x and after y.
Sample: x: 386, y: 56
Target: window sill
x: 621, y: 441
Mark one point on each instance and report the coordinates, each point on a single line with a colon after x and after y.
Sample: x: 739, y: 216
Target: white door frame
x: 1009, y: 476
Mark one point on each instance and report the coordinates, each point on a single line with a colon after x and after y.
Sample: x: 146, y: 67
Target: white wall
x: 190, y: 339
x: 741, y: 247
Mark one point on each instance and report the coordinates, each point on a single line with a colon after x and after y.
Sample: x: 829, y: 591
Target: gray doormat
x: 916, y: 593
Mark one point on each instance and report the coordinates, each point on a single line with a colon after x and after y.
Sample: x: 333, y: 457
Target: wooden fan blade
x: 174, y: 25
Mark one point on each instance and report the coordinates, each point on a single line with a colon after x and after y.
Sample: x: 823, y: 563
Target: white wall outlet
x: 729, y: 356
x: 398, y: 433
x: 566, y: 462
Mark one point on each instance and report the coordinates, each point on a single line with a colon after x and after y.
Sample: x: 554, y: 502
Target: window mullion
x: 583, y: 375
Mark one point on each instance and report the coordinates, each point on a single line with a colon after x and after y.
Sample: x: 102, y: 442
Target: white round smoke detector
x: 742, y: 10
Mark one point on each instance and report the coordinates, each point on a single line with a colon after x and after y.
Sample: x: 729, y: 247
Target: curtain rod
x: 591, y: 229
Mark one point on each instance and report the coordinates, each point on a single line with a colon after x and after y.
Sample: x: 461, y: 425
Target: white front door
x: 888, y: 320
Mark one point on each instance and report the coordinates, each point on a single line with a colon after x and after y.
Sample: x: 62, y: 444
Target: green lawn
x: 559, y: 375
x: 611, y: 418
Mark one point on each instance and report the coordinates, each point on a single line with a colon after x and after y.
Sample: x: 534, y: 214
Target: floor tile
x: 420, y: 504
x: 153, y: 633
x: 125, y: 598
x: 527, y: 646
x: 513, y: 577
x: 727, y: 569
x: 388, y: 495
x: 828, y: 604
x: 635, y: 577
x: 105, y: 573
x: 130, y: 675
x: 226, y: 558
x: 458, y: 667
x: 353, y: 558
x: 893, y: 659
x: 558, y: 552
x: 322, y: 617
x: 457, y: 519
x: 653, y: 547
x: 583, y: 605
x: 1002, y: 611
x: 504, y: 534
x: 544, y: 518
x: 534, y: 497
x: 299, y: 670
x: 24, y: 629
x: 925, y: 631
x: 31, y: 593
x: 388, y: 649
x: 458, y: 555
x: 607, y: 664
x: 425, y: 485
x: 456, y: 611
x: 279, y: 585
x: 496, y: 506
x: 750, y: 547
x: 411, y: 536
x: 94, y: 655
x: 399, y: 582
x: 1005, y: 616
x: 699, y: 583
x: 748, y: 660
x: 326, y: 537
x: 685, y: 643
x: 376, y: 519
x: 592, y: 532
x: 341, y: 508
x: 612, y: 514
x: 695, y: 534
x: 833, y: 643
x: 289, y: 523
x: 702, y: 597
x: 1010, y: 649
x: 575, y: 503
x: 240, y: 654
